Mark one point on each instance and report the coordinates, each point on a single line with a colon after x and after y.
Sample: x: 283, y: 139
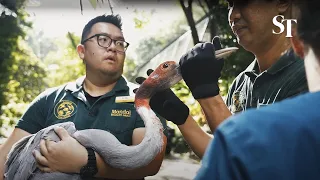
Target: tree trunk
x: 189, y: 15
x: 211, y: 4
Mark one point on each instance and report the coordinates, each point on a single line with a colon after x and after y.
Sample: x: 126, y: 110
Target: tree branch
x: 189, y: 15
x: 111, y: 8
x: 203, y: 8
x: 190, y: 4
x: 81, y: 7
x: 212, y: 4
x: 73, y: 42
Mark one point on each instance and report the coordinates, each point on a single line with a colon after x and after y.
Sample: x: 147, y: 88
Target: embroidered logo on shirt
x: 124, y: 113
x: 65, y: 109
x: 238, y: 102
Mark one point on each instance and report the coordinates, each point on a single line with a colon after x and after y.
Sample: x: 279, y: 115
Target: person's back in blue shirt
x: 278, y: 142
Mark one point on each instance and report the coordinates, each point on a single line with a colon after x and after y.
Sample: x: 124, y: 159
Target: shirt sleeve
x: 34, y: 117
x: 218, y: 163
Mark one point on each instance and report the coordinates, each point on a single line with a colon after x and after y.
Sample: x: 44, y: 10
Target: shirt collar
x: 253, y: 67
x: 284, y: 61
x: 252, y: 70
x: 75, y: 86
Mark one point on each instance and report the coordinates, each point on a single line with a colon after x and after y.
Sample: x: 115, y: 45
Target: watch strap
x: 90, y: 169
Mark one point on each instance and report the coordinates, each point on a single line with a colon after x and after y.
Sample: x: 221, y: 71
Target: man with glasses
x: 89, y: 102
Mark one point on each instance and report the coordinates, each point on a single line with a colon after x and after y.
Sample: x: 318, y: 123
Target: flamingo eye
x: 165, y: 65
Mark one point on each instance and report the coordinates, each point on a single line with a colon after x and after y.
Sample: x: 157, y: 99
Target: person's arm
x: 196, y: 138
x: 169, y: 106
x: 15, y: 136
x: 218, y: 162
x: 201, y: 70
x: 69, y: 156
x: 106, y: 171
x: 30, y: 122
x: 215, y: 110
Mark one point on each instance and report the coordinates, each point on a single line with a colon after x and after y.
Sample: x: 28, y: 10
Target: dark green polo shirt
x: 251, y: 89
x: 68, y: 103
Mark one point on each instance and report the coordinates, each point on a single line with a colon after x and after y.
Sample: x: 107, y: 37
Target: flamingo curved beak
x: 223, y: 53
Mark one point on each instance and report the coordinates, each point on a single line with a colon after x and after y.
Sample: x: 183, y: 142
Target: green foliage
x: 28, y: 77
x: 26, y: 74
x: 141, y: 18
x: 25, y: 81
x: 9, y: 36
x: 64, y: 64
x: 21, y: 77
x: 93, y: 3
x: 129, y: 67
x: 149, y: 47
x: 40, y: 44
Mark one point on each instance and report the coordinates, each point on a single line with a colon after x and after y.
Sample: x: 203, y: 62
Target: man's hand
x: 67, y: 155
x: 201, y: 69
x: 167, y: 104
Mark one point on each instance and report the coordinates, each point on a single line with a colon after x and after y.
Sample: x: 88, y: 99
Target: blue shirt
x: 277, y: 142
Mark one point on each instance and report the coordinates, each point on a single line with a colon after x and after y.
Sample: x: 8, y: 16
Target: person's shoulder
x: 285, y: 117
x: 53, y: 91
x: 279, y: 137
x: 283, y: 133
x: 295, y: 62
x: 59, y: 88
x: 49, y: 91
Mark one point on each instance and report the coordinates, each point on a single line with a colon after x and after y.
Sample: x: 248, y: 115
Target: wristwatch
x: 90, y: 169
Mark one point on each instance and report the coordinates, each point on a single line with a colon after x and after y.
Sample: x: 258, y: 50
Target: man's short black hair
x: 308, y: 22
x: 112, y: 19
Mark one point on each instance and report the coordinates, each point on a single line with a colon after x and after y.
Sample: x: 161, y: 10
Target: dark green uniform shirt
x: 286, y: 78
x: 69, y: 103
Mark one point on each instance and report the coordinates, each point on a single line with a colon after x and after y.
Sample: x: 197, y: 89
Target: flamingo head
x: 164, y: 76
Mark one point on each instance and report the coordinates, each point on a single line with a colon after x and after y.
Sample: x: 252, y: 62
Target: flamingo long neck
x: 152, y: 123
x: 127, y: 157
x: 143, y: 108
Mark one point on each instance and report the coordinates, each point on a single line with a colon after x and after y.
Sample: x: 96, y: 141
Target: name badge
x: 124, y: 99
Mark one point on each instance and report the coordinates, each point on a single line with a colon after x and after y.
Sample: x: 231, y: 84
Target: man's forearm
x: 3, y: 157
x: 197, y: 139
x: 215, y: 110
x: 16, y: 135
x: 106, y: 171
x: 2, y: 165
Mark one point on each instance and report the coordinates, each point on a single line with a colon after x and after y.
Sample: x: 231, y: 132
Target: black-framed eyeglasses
x: 105, y: 41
